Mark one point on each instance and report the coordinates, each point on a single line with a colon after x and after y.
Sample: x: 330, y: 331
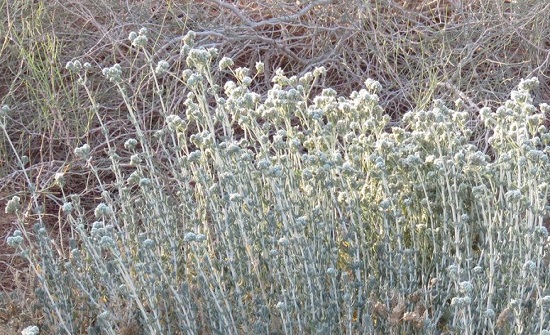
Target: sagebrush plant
x: 417, y: 50
x: 294, y: 213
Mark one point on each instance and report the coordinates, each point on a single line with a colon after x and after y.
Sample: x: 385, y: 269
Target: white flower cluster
x: 102, y: 210
x: 113, y: 73
x: 192, y: 237
x: 16, y: 239
x: 201, y: 59
x: 31, y: 330
x: 83, y: 152
x: 13, y: 205
x: 162, y: 67
x: 138, y: 39
x: 3, y: 112
x: 76, y: 66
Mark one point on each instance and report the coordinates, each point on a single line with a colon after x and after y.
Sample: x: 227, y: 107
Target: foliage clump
x: 297, y: 212
x: 248, y: 177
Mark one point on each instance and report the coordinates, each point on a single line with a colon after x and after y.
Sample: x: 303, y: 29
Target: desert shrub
x: 293, y: 211
x: 418, y: 51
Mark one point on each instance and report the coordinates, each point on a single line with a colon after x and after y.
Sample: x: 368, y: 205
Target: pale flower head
x: 31, y: 330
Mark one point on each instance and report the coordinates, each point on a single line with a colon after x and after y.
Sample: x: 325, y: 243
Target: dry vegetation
x: 420, y: 50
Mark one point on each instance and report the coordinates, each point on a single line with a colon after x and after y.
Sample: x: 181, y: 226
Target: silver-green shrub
x: 301, y: 213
